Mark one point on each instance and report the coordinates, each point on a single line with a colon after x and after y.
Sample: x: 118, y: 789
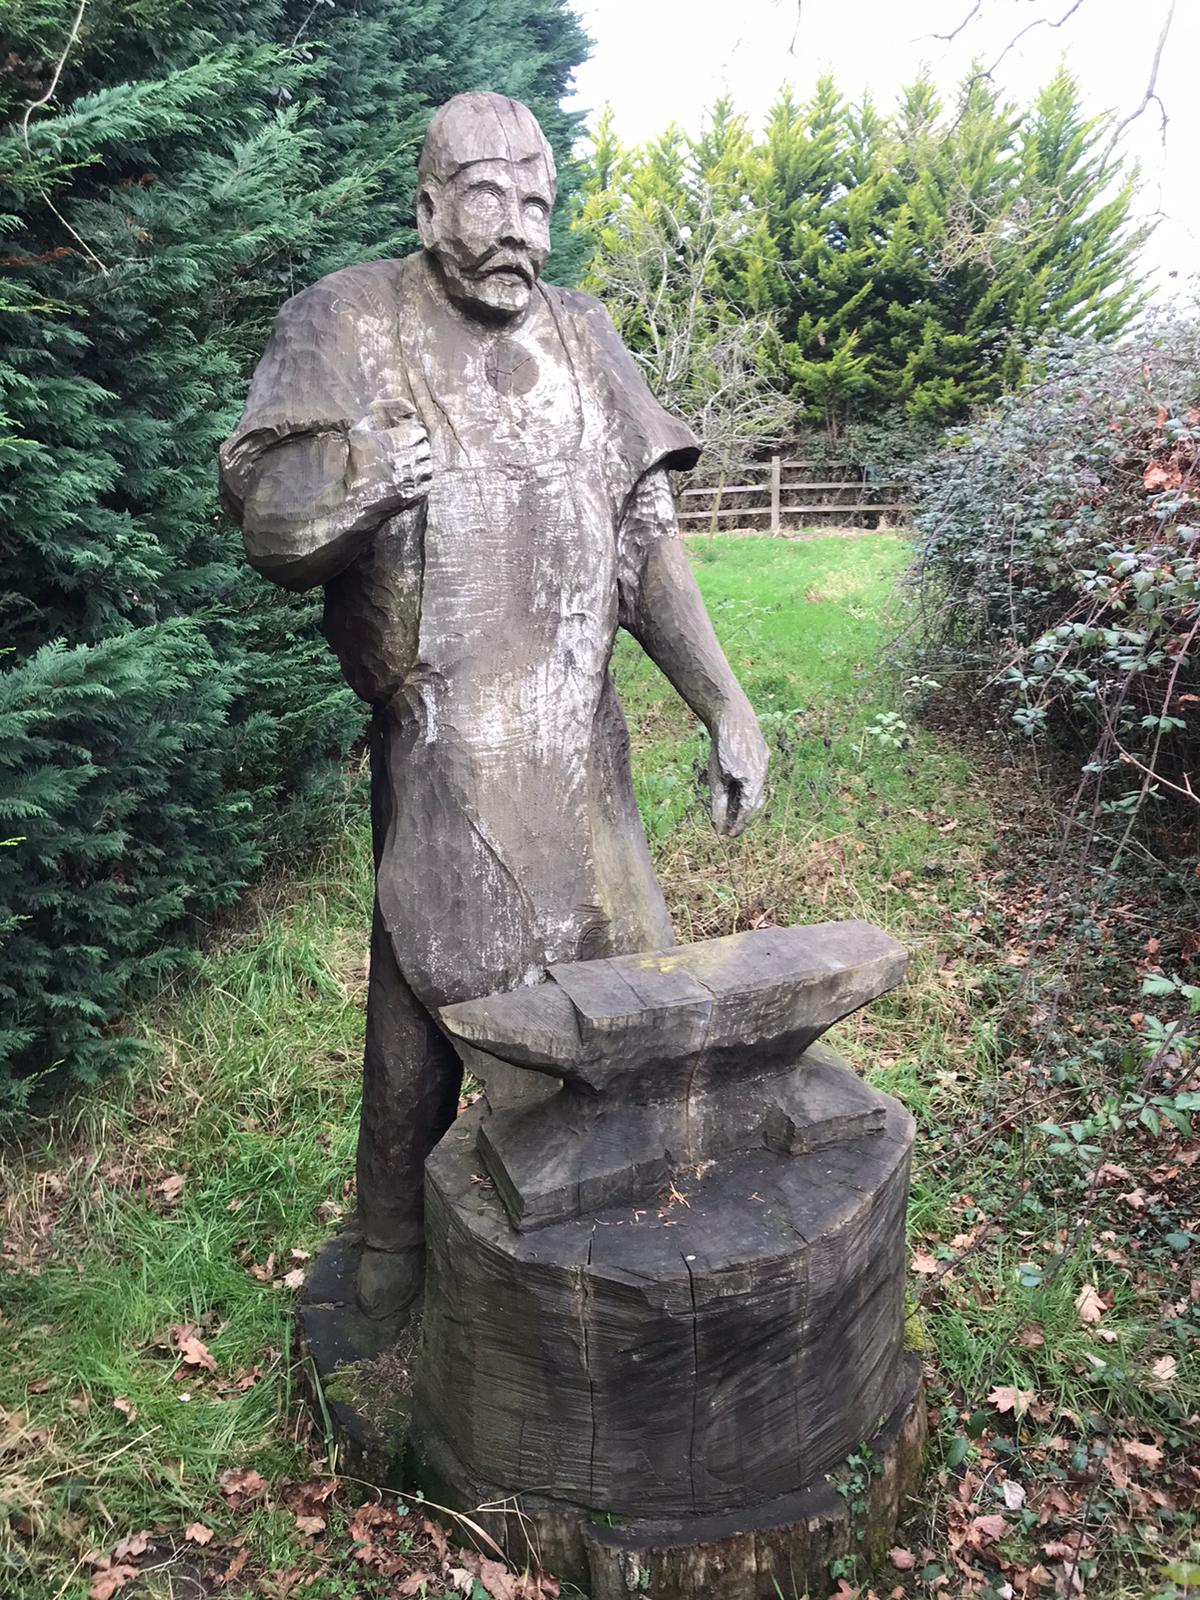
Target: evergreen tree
x: 194, y: 163
x: 676, y: 246
x: 903, y: 262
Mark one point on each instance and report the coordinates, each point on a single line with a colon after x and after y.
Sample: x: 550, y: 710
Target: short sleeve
x: 649, y: 516
x: 644, y: 436
x: 319, y: 374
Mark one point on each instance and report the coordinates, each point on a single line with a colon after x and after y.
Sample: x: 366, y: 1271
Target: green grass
x: 249, y: 1091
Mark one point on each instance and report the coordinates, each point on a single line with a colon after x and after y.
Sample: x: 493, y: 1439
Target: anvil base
x: 686, y: 1362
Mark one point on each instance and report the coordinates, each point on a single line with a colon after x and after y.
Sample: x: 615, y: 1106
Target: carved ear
x: 426, y: 211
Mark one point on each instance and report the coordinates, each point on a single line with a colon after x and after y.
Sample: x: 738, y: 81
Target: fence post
x: 776, y: 492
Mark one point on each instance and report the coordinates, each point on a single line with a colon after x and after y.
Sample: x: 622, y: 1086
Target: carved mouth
x: 509, y: 271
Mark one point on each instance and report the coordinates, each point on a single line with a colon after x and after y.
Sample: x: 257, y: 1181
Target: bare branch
x: 954, y: 33
x: 796, y: 29
x: 58, y: 72
x: 44, y: 100
x: 699, y: 354
x: 1038, y: 22
x: 1151, y: 95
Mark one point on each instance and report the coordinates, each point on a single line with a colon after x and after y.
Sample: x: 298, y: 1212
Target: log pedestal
x: 661, y: 1400
x: 662, y: 1349
x: 664, y: 1307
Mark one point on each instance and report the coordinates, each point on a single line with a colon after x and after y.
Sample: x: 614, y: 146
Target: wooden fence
x: 787, y: 494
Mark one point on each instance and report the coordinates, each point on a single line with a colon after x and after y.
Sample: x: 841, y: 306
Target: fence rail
x: 787, y: 492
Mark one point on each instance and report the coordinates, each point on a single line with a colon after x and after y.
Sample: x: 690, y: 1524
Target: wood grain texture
x: 674, y: 1360
x: 706, y: 1011
x: 674, y: 1057
x: 471, y: 463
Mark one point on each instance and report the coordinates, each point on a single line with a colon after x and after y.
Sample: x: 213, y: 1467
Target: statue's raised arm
x: 323, y: 455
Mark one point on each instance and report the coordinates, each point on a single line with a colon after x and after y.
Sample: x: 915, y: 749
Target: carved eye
x: 537, y: 208
x: 485, y: 199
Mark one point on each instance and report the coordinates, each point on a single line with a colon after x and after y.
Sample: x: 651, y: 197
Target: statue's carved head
x: 485, y: 190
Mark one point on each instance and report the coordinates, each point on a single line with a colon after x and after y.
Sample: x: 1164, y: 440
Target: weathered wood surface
x: 727, y: 1006
x: 678, y: 1360
x: 672, y: 1058
x: 785, y: 1551
x: 575, y: 1154
x: 846, y: 497
x: 470, y: 462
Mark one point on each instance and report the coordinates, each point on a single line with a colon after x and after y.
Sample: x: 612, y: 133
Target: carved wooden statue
x: 471, y: 463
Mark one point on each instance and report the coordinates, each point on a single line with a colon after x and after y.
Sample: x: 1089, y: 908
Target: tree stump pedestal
x: 663, y: 1343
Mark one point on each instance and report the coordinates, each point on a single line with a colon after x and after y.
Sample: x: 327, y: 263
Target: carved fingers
x: 737, y: 770
x: 390, y: 460
x: 411, y: 461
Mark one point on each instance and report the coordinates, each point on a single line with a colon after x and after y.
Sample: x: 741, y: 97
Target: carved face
x: 488, y: 227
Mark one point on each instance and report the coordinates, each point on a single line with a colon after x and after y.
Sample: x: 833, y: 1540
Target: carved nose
x: 514, y: 225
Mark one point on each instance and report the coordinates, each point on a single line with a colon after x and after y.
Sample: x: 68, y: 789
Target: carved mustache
x: 490, y: 265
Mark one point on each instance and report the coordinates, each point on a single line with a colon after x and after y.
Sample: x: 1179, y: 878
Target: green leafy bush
x: 166, y: 713
x: 1057, y: 560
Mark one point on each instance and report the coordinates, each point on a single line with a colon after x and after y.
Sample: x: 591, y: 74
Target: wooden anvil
x: 672, y: 1059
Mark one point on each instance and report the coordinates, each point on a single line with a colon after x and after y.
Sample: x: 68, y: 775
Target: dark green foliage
x: 904, y: 259
x: 197, y: 163
x: 1057, y: 563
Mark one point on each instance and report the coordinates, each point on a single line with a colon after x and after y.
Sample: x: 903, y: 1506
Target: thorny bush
x: 1057, y: 563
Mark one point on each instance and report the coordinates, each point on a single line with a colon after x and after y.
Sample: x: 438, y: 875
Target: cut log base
x: 362, y: 1391
x: 785, y: 1550
x: 661, y: 1398
x: 704, y: 1393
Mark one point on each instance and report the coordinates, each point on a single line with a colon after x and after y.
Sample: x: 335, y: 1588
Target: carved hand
x: 389, y: 464
x: 737, y: 769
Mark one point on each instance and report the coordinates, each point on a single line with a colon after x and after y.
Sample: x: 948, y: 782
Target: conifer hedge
x: 164, y: 715
x: 904, y: 259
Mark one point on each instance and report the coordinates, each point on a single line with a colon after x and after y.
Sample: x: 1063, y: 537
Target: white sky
x: 657, y: 61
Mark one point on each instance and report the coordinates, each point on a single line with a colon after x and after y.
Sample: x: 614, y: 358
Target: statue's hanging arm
x: 662, y: 608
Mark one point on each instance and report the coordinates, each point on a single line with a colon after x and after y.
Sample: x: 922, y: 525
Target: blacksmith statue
x: 471, y: 463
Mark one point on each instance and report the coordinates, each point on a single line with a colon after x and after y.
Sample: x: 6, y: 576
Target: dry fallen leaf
x: 171, y: 1188
x: 1062, y: 1549
x: 499, y: 1582
x: 438, y: 1535
x: 1149, y: 1453
x: 988, y: 1529
x: 412, y: 1584
x: 238, y: 1486
x: 235, y: 1566
x: 109, y: 1578
x: 133, y: 1544
x: 1164, y: 1370
x: 1013, y: 1493
x: 922, y: 1261
x: 197, y: 1533
x: 125, y: 1406
x: 1031, y: 1338
x: 266, y: 1271
x: 902, y: 1560
x: 1006, y: 1398
x: 1089, y: 1304
x: 192, y: 1352
x: 310, y: 1525
x: 293, y: 1279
